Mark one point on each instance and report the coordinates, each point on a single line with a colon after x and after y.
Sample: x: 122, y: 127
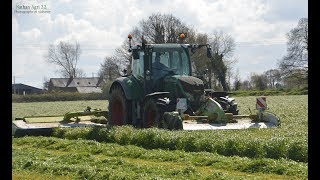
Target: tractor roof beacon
x: 150, y: 91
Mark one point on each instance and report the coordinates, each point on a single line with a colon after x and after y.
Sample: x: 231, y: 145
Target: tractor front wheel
x: 151, y: 114
x: 171, y: 121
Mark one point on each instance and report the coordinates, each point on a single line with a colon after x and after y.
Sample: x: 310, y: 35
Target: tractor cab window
x: 180, y: 63
x: 137, y: 66
x: 170, y: 61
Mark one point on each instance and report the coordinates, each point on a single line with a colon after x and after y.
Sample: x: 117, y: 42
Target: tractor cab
x: 157, y: 61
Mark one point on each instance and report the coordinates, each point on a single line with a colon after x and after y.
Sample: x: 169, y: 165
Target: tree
x: 110, y: 69
x: 165, y: 28
x: 66, y: 56
x: 246, y: 85
x: 297, y: 78
x: 123, y: 56
x: 273, y: 76
x: 220, y: 65
x: 259, y: 82
x: 297, y: 49
x: 237, y: 82
x: 45, y: 83
x: 162, y: 28
x: 199, y: 58
x: 223, y: 46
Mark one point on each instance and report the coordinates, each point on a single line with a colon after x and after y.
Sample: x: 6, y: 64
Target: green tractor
x: 161, y: 87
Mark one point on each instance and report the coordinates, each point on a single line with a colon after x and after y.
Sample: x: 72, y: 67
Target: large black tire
x: 119, y: 108
x: 151, y: 114
x: 171, y: 121
x: 228, y: 106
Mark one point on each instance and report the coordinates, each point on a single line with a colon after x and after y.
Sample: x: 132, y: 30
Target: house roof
x: 24, y: 86
x: 76, y: 82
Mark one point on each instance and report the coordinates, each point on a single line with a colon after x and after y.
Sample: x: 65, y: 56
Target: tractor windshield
x: 174, y: 60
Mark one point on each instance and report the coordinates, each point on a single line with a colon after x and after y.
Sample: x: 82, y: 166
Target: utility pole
x: 14, y: 84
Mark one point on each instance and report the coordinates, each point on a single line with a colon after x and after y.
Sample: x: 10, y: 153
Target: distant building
x: 81, y: 85
x: 23, y: 89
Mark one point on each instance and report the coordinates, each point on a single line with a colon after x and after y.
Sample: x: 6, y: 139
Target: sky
x: 258, y: 27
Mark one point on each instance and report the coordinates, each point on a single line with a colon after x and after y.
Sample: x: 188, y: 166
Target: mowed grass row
x: 236, y: 144
x: 55, y: 158
x: 289, y: 141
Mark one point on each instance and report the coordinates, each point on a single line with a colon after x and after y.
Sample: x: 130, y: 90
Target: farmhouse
x: 25, y: 89
x: 81, y: 85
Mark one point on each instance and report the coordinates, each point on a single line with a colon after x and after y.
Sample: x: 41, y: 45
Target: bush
x: 271, y: 92
x: 58, y: 96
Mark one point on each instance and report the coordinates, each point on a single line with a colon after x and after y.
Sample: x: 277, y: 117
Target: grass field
x: 129, y: 153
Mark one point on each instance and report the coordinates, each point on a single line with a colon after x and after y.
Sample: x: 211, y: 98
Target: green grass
x: 286, y: 145
x: 54, y: 108
x: 85, y: 159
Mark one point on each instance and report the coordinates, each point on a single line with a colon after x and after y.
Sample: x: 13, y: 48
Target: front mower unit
x: 211, y: 116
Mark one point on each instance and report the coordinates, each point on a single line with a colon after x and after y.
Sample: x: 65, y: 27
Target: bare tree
x: 165, y: 28
x: 66, y: 56
x: 123, y: 56
x: 220, y: 66
x: 259, y: 81
x: 223, y: 46
x: 273, y: 76
x: 246, y: 85
x: 162, y: 28
x: 45, y: 83
x: 199, y: 58
x: 237, y: 81
x: 297, y: 49
x: 296, y: 79
x: 110, y: 70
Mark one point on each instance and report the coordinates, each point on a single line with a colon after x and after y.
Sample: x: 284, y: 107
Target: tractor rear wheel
x: 119, y: 108
x: 151, y: 114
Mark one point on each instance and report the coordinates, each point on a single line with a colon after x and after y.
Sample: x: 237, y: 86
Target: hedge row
x: 58, y: 96
x: 75, y: 96
x: 271, y: 92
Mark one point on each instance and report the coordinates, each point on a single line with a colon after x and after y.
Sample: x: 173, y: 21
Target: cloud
x: 64, y: 1
x: 280, y: 11
x: 258, y: 27
x: 33, y: 34
x: 90, y: 38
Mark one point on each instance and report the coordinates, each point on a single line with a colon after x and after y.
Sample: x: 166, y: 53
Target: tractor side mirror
x: 209, y: 52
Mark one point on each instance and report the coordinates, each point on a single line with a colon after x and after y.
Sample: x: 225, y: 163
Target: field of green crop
x: 129, y: 153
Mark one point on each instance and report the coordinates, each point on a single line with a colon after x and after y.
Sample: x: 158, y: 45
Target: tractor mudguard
x: 131, y: 87
x: 213, y: 93
x: 156, y: 95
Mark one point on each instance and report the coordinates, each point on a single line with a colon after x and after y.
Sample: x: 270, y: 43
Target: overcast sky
x: 258, y: 27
